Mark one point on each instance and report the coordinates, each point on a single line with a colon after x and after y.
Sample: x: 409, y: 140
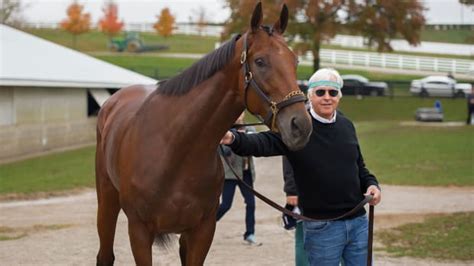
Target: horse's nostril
x: 295, y: 127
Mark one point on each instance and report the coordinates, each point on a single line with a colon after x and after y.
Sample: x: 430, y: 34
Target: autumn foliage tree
x: 165, y: 24
x: 201, y: 20
x: 315, y: 21
x: 76, y: 22
x: 109, y: 24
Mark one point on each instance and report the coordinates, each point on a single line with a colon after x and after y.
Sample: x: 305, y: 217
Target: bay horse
x: 157, y: 146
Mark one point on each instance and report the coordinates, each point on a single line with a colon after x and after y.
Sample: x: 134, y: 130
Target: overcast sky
x: 439, y: 11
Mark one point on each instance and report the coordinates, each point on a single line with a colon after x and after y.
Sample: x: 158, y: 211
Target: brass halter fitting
x: 293, y: 93
x: 243, y: 57
x: 274, y: 109
x: 248, y: 77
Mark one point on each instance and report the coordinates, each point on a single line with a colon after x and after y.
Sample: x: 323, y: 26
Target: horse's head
x: 269, y: 80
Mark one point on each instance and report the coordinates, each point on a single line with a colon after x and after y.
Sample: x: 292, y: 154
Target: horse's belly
x: 180, y: 207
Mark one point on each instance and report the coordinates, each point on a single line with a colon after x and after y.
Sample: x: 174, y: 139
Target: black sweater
x: 329, y: 171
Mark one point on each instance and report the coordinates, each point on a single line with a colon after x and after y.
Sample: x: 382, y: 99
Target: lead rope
x: 371, y: 235
x: 361, y: 204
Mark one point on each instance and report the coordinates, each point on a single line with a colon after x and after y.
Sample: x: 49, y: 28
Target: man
x: 329, y: 172
x: 245, y: 167
x: 470, y: 108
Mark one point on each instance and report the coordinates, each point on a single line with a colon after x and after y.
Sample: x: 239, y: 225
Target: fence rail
x: 393, y: 61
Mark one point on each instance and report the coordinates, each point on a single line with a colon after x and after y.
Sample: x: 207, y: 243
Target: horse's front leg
x: 195, y: 243
x: 141, y: 240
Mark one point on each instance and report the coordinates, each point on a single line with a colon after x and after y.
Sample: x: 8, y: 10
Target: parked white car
x: 439, y: 86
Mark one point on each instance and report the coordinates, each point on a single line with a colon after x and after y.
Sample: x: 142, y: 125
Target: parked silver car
x: 439, y: 86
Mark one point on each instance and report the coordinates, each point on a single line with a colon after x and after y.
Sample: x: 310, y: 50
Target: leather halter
x: 292, y: 97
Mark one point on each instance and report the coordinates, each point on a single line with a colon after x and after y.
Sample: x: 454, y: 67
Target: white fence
x: 393, y: 61
x: 402, y: 45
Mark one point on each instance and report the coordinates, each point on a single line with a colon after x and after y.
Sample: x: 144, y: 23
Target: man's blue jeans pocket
x: 328, y: 243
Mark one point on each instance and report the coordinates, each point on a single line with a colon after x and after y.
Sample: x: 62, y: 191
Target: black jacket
x: 329, y: 172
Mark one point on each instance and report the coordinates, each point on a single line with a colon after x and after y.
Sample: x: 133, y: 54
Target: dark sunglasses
x: 321, y: 93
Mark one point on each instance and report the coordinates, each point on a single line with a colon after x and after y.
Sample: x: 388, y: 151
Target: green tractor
x: 131, y: 42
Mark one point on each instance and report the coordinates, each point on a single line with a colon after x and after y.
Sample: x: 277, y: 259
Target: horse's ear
x: 282, y: 22
x: 257, y: 17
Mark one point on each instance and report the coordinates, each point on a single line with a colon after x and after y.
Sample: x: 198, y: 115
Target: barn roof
x: 26, y: 60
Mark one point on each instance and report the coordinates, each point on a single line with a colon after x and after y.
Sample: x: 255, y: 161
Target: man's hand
x: 228, y: 138
x: 292, y: 200
x: 374, y: 191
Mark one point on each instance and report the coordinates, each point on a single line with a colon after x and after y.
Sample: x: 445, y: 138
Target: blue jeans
x: 300, y: 255
x: 249, y: 198
x: 330, y: 243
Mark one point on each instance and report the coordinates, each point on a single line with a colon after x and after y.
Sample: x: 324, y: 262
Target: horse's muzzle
x: 295, y: 129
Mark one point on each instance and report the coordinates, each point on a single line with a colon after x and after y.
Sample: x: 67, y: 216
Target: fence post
x: 333, y: 57
x: 366, y: 59
x: 417, y: 63
x: 383, y: 61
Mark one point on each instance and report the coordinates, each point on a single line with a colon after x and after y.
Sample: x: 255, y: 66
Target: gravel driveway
x: 74, y: 240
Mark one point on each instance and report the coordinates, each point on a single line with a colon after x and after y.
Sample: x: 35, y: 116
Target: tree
x: 315, y: 21
x: 9, y: 12
x: 201, y: 20
x: 165, y: 24
x: 77, y: 22
x: 467, y: 2
x: 109, y: 23
x: 241, y: 11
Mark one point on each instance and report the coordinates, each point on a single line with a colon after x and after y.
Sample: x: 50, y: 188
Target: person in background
x: 245, y: 167
x: 470, y: 108
x: 330, y: 175
x: 301, y: 259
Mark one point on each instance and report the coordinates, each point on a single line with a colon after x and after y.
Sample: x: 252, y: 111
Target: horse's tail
x: 165, y: 240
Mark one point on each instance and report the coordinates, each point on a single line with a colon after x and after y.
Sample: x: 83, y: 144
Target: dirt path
x: 73, y: 240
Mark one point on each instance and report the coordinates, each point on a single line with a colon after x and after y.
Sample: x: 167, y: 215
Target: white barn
x: 49, y: 94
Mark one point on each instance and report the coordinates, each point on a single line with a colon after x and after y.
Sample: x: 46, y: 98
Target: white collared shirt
x: 322, y: 119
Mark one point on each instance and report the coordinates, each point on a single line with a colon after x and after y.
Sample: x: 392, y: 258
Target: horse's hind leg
x: 108, y: 210
x: 195, y: 243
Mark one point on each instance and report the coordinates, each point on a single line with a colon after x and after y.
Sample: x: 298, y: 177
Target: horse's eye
x: 260, y: 62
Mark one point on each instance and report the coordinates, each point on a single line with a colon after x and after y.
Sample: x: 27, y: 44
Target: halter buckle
x: 274, y: 108
x: 243, y: 57
x: 248, y: 77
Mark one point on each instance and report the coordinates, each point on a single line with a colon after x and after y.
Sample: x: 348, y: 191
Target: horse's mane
x: 199, y: 71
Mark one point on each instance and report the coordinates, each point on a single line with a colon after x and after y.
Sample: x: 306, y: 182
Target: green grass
x: 449, y: 237
x: 97, y: 41
x: 152, y: 66
x: 418, y: 155
x: 461, y: 36
x: 305, y: 72
x: 399, y: 108
x: 50, y: 173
